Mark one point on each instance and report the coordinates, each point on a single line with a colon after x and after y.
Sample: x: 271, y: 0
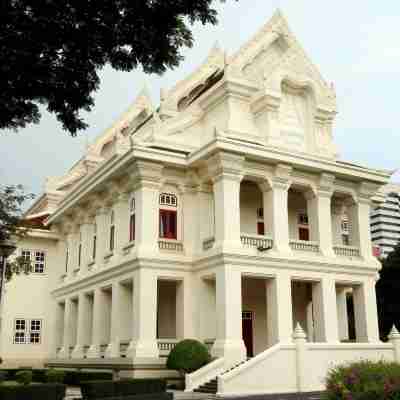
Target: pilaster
x: 116, y: 322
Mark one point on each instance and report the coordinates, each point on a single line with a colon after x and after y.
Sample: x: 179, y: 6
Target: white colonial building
x: 224, y: 215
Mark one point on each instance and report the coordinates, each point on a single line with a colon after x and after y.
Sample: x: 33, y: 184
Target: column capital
x: 281, y: 177
x: 225, y: 165
x: 366, y: 191
x: 145, y: 174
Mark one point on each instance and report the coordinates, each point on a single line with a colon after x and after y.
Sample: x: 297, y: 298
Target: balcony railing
x: 258, y: 241
x: 170, y: 245
x: 304, y: 245
x: 346, y: 251
x: 208, y: 243
x: 165, y: 346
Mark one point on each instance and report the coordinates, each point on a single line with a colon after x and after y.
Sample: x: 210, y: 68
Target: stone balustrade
x: 170, y: 245
x: 346, y: 251
x: 166, y: 345
x: 304, y: 245
x: 258, y: 241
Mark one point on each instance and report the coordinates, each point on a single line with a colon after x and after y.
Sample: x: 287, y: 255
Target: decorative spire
x: 394, y: 333
x: 299, y: 332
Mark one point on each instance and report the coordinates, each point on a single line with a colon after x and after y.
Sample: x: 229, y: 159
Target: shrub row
x: 46, y: 391
x: 126, y: 387
x: 151, y: 396
x: 364, y: 380
x: 72, y: 378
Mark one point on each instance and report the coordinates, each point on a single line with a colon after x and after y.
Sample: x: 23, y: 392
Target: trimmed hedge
x: 47, y: 391
x: 71, y: 378
x: 151, y: 396
x: 24, y: 377
x: 364, y: 380
x: 187, y: 356
x: 55, y: 376
x: 126, y: 387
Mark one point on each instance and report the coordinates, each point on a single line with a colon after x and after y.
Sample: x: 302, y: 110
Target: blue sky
x: 355, y: 44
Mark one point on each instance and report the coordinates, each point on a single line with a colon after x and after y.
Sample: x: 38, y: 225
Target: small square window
x: 39, y: 262
x: 303, y: 219
x: 19, y: 337
x: 35, y: 338
x: 36, y: 325
x: 20, y: 325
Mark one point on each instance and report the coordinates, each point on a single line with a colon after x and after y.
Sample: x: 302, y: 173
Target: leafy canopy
x: 51, y: 51
x: 387, y: 293
x: 11, y: 201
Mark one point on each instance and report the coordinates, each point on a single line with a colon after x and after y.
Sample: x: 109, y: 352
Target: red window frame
x: 260, y: 228
x: 168, y: 224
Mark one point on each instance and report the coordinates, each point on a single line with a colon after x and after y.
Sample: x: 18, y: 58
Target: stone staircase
x: 211, y: 386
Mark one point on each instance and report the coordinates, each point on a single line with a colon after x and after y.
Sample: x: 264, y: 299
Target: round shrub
x: 24, y: 377
x: 364, y: 380
x: 55, y: 376
x: 188, y: 356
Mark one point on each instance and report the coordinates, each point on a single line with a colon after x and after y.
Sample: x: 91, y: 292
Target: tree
x: 51, y: 51
x: 11, y: 227
x: 387, y: 293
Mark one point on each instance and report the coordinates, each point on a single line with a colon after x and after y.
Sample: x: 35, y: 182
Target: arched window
x: 132, y: 220
x: 112, y: 230
x: 80, y: 249
x: 168, y: 216
x: 94, y: 242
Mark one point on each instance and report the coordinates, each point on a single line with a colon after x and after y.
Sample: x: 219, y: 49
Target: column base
x: 143, y: 349
x: 233, y: 351
x: 112, y: 350
x: 94, y: 351
x: 77, y: 352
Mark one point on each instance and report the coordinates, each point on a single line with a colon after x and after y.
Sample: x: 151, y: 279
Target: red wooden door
x: 247, y: 331
x: 304, y: 234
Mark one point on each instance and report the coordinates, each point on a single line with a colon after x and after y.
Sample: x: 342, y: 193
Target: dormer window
x: 168, y: 199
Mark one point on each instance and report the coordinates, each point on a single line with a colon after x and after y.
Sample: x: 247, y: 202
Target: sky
x: 355, y: 44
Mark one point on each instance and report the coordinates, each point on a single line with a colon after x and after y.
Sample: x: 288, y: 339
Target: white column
x: 185, y: 315
x: 226, y: 172
x: 360, y: 233
x: 279, y: 309
x: 229, y: 342
x: 98, y: 324
x: 117, y: 319
x: 365, y: 312
x: 325, y: 311
x: 103, y: 234
x: 144, y: 341
x: 58, y: 337
x: 82, y: 328
x: 227, y: 210
x: 276, y: 218
x: 343, y: 319
x: 319, y: 213
x: 147, y: 218
x: 64, y: 353
x: 72, y: 252
x: 122, y: 217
